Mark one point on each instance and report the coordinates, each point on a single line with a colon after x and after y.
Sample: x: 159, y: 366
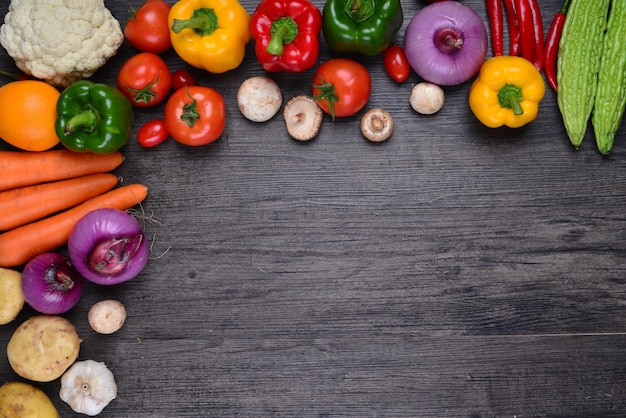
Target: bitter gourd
x: 611, y: 95
x: 578, y: 63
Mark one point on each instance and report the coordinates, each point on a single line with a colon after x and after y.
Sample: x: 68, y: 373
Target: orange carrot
x: 30, y: 203
x: 23, y: 168
x: 21, y: 244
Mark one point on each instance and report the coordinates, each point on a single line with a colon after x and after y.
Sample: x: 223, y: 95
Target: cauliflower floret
x: 60, y: 41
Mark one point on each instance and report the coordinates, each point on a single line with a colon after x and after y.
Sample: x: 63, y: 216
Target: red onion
x: 50, y: 284
x: 446, y: 43
x: 108, y: 246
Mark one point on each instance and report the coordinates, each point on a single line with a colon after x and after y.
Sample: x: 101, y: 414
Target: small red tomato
x: 145, y: 79
x: 152, y: 133
x: 147, y: 29
x: 195, y: 115
x: 396, y: 63
x: 181, y: 78
x: 341, y: 86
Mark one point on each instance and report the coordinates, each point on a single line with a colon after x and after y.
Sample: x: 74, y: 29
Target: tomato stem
x: 328, y: 93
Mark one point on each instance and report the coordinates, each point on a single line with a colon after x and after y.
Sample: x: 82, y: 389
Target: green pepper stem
x: 203, y: 21
x: 283, y: 31
x: 510, y: 96
x: 86, y: 121
x: 360, y: 10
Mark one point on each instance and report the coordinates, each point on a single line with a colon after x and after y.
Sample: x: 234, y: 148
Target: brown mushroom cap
x: 303, y: 117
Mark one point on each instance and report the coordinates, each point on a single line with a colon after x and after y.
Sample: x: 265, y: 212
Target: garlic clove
x: 88, y: 387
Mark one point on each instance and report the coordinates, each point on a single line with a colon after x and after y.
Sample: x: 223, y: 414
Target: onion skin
x: 108, y: 246
x: 50, y: 284
x: 435, y: 61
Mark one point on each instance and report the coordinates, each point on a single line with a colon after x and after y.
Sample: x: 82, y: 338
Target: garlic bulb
x: 88, y: 387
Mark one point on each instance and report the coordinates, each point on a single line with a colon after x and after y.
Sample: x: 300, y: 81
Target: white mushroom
x: 88, y: 387
x: 426, y: 98
x: 377, y: 125
x: 303, y: 117
x: 259, y: 98
x: 107, y: 316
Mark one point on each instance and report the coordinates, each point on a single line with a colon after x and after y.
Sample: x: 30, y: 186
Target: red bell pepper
x: 286, y: 34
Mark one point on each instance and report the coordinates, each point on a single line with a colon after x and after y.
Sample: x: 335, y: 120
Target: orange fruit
x: 28, y: 114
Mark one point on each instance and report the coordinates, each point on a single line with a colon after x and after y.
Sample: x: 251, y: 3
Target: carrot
x: 30, y: 203
x: 21, y: 244
x: 28, y: 168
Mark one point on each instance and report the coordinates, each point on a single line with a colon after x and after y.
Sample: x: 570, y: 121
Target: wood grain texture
x: 452, y: 271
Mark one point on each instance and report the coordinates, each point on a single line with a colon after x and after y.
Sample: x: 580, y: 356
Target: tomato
x: 145, y: 79
x: 195, y: 115
x: 181, y: 78
x: 396, y: 63
x: 341, y: 86
x: 148, y: 30
x: 152, y: 133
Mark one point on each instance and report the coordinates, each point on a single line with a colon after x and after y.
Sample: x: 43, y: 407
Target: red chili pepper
x: 538, y: 33
x: 552, y: 45
x: 526, y: 30
x: 511, y: 18
x: 496, y: 24
x: 286, y: 34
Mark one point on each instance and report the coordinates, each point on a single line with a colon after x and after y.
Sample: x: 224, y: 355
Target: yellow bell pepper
x: 507, y: 92
x: 210, y: 34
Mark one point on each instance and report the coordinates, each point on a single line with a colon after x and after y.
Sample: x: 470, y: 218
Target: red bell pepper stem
x: 552, y: 45
x: 538, y: 33
x: 496, y: 23
x: 526, y: 30
x: 511, y: 18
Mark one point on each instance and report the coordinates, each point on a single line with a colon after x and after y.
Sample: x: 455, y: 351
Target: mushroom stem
x: 377, y: 125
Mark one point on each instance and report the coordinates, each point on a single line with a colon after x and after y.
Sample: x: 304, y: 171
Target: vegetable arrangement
x: 84, y: 212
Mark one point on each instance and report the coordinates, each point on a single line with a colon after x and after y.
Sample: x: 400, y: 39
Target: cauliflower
x: 60, y: 41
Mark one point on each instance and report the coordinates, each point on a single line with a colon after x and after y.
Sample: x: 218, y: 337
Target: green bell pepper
x: 93, y: 117
x: 364, y: 26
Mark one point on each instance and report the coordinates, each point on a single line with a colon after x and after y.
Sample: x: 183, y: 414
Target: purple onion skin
x: 108, y: 246
x: 51, y: 285
x: 429, y: 55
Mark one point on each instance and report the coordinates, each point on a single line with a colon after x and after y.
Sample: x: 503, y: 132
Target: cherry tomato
x: 145, y: 79
x: 195, y: 115
x: 396, y: 63
x: 181, y: 78
x: 148, y: 30
x: 341, y: 86
x: 152, y: 133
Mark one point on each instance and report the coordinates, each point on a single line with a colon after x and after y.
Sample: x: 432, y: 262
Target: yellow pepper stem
x: 203, y: 21
x: 510, y: 96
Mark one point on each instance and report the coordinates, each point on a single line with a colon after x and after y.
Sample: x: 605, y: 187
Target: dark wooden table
x: 452, y: 271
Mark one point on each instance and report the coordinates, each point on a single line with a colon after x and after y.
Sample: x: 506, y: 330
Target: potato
x: 19, y: 399
x: 11, y: 296
x: 43, y: 347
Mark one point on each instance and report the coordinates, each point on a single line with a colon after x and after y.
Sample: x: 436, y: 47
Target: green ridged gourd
x: 578, y: 63
x: 610, y: 98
